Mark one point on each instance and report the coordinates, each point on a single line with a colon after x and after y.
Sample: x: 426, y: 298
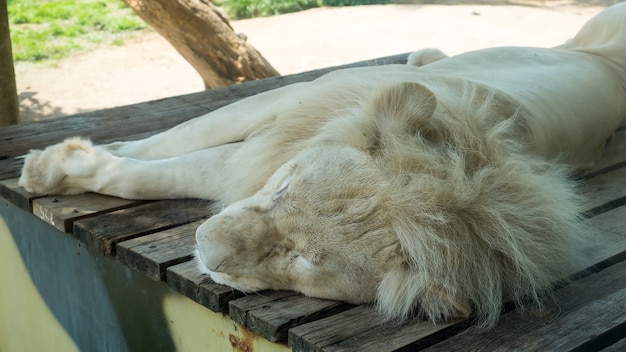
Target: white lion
x: 438, y: 191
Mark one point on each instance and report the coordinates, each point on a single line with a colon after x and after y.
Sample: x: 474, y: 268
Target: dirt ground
x: 148, y: 68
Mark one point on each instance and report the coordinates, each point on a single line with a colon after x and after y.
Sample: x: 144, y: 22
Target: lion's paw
x: 62, y: 168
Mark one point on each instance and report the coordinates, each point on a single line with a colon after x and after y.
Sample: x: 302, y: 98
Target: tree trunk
x: 205, y: 39
x: 9, y: 105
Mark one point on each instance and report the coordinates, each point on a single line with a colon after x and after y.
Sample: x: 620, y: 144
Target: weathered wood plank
x: 10, y: 166
x: 62, y: 211
x: 602, y: 249
x: 619, y: 346
x: 605, y: 191
x: 102, y: 232
x: 186, y: 279
x: 11, y: 191
x: 579, y: 316
x: 613, y: 220
x: 238, y: 309
x: 364, y: 327
x: 272, y: 314
x: 615, y: 153
x: 399, y: 337
x: 275, y: 319
x: 153, y: 254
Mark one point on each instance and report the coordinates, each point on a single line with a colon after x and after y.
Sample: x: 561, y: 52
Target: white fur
x: 438, y: 190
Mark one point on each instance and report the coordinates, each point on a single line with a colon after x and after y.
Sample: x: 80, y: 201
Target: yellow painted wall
x: 26, y: 323
x: 195, y: 328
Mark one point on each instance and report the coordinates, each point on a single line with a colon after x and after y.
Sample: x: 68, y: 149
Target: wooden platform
x: 156, y: 238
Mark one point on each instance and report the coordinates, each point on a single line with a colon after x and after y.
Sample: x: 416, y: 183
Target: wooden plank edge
x: 604, y: 170
x: 151, y: 269
x: 62, y: 211
x: 98, y: 240
x: 613, y: 156
x: 107, y: 246
x: 279, y: 331
x: 518, y: 327
x: 270, y: 314
x: 618, y: 346
x: 603, y: 208
x: 17, y: 195
x: 152, y: 254
x: 607, y: 340
x: 238, y: 309
x: 365, y: 321
x: 413, y: 336
x: 186, y: 279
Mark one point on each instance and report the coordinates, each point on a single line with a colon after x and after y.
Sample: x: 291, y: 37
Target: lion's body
x: 441, y: 188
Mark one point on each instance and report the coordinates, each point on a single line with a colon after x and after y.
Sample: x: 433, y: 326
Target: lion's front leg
x: 76, y: 166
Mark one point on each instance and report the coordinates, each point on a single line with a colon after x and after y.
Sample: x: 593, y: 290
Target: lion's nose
x: 227, y: 241
x: 211, y: 253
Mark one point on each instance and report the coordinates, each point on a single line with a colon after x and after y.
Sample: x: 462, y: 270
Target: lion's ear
x: 405, y: 107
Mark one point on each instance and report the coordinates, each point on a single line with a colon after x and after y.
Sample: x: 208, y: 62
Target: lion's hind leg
x: 229, y: 124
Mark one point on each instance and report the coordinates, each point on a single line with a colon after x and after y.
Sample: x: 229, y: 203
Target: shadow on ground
x: 32, y: 109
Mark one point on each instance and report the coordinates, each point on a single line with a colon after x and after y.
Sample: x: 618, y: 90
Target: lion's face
x: 316, y: 227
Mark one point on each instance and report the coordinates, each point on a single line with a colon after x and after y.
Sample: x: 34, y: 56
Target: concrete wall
x: 55, y: 295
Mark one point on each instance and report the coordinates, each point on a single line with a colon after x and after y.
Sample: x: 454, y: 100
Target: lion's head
x: 410, y: 204
x: 316, y: 227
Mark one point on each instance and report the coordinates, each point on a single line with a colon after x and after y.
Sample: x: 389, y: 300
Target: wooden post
x: 205, y: 39
x: 9, y: 105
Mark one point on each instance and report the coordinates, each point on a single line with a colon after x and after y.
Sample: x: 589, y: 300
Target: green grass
x: 51, y: 29
x: 48, y: 30
x: 238, y: 9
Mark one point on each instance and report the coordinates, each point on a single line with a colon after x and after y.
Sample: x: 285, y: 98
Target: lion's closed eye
x: 300, y: 261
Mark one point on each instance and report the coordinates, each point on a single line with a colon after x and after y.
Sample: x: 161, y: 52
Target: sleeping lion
x: 439, y: 191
